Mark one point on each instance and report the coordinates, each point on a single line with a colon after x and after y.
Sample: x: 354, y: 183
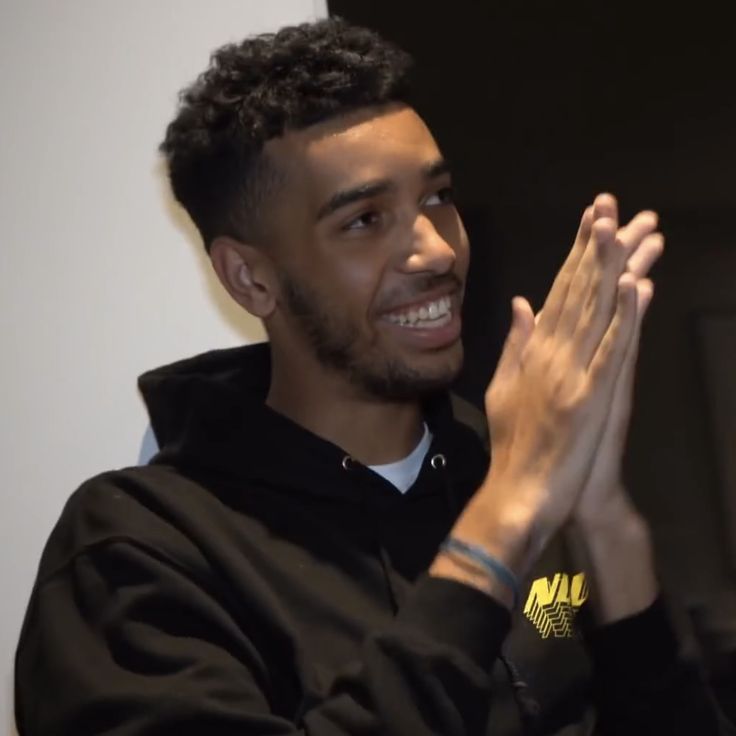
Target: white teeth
x: 432, y: 314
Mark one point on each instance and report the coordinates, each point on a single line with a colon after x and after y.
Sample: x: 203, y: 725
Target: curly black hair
x: 257, y: 90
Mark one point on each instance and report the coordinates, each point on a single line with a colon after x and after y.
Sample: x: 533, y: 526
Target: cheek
x: 354, y: 283
x: 463, y: 250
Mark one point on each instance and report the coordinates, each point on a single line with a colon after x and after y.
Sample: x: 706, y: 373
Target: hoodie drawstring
x: 528, y: 707
x: 350, y: 464
x: 525, y: 702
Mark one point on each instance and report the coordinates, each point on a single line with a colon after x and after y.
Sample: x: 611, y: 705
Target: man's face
x: 371, y: 252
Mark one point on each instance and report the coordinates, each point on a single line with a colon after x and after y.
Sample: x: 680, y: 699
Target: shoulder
x: 145, y: 506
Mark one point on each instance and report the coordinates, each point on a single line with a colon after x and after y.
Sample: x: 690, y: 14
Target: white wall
x: 101, y: 278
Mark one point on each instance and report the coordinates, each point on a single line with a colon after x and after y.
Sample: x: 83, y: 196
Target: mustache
x: 418, y: 287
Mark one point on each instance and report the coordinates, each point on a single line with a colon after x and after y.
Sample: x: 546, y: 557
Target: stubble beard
x: 337, y: 346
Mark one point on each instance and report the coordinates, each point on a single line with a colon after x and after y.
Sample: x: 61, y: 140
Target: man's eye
x: 443, y: 196
x: 366, y: 220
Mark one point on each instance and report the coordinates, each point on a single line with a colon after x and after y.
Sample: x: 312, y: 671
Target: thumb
x: 522, y: 326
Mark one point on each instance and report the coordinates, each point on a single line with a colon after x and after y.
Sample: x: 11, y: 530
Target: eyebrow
x: 344, y: 197
x: 437, y: 168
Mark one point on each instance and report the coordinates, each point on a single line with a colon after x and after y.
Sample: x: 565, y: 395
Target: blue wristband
x: 490, y: 564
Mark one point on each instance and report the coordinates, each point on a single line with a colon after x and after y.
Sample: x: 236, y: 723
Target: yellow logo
x: 552, y: 603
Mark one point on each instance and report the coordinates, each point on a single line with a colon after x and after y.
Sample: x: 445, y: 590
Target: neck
x: 374, y: 431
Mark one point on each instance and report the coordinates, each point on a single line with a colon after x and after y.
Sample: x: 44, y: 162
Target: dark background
x: 540, y: 105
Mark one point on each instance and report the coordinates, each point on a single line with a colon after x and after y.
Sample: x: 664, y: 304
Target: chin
x: 445, y: 362
x: 411, y: 380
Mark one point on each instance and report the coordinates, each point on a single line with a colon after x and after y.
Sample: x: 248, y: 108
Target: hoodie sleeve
x: 643, y: 686
x: 122, y: 641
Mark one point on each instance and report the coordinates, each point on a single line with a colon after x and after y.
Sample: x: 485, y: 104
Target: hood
x: 209, y: 416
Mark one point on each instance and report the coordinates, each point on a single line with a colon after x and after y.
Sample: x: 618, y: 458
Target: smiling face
x: 370, y: 253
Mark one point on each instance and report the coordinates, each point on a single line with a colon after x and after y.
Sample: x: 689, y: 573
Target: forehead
x: 371, y: 144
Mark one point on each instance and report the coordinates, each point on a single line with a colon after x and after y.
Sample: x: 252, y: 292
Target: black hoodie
x: 254, y: 579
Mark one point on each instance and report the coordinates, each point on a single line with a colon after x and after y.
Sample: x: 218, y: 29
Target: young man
x: 321, y: 547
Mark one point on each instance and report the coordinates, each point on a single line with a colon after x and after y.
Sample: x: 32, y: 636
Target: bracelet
x: 490, y: 564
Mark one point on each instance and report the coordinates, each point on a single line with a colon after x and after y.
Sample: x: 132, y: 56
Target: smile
x: 431, y: 315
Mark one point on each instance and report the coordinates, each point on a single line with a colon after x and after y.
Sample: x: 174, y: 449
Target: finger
x: 638, y: 228
x: 646, y: 255
x: 609, y: 358
x: 548, y: 315
x: 599, y: 303
x: 645, y: 294
x: 605, y: 205
x: 522, y: 326
x: 624, y: 388
x: 589, y: 304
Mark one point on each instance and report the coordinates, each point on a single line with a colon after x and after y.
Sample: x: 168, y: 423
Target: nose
x: 429, y: 251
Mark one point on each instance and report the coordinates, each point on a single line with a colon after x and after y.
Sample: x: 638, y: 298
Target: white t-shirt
x: 404, y: 472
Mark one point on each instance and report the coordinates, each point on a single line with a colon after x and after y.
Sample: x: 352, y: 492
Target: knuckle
x: 572, y: 401
x: 565, y: 390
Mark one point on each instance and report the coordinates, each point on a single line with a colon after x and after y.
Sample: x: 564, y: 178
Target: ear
x: 246, y: 273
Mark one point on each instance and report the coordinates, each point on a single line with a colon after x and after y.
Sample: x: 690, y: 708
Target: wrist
x: 616, y: 515
x: 623, y: 538
x: 616, y: 554
x: 619, y: 531
x: 453, y: 568
x: 502, y: 527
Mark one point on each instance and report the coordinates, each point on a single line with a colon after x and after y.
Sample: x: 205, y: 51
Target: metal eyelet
x: 438, y: 461
x: 348, y: 463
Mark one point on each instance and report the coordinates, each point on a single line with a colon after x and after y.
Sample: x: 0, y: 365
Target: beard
x: 337, y: 345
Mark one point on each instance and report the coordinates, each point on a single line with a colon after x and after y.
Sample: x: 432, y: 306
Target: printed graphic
x: 553, y: 602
